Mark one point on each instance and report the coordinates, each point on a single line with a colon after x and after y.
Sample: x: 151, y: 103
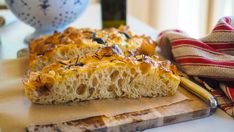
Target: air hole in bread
x: 114, y: 75
x: 53, y: 102
x: 167, y: 82
x: 75, y: 83
x: 62, y: 52
x: 69, y: 88
x: 77, y: 75
x: 160, y: 77
x: 111, y: 88
x: 131, y: 79
x: 76, y: 99
x: 43, y: 90
x: 136, y: 86
x: 37, y: 100
x: 100, y: 75
x: 145, y: 68
x: 89, y: 74
x: 81, y: 89
x: 120, y: 82
x: 94, y: 82
x: 91, y: 91
x: 133, y: 71
x: 125, y: 74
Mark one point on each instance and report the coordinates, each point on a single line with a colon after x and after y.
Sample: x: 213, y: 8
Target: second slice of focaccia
x: 84, y: 42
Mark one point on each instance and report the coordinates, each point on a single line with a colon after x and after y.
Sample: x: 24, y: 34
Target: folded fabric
x: 210, y: 60
x: 6, y: 17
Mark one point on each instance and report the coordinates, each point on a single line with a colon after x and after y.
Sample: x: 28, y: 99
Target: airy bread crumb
x: 107, y: 74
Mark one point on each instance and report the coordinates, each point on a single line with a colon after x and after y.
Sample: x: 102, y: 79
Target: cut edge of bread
x: 106, y: 80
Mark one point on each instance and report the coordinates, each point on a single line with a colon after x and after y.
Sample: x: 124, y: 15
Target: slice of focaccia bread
x: 107, y: 74
x: 83, y: 42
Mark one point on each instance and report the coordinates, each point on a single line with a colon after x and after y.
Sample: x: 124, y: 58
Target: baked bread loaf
x: 83, y: 42
x: 106, y: 74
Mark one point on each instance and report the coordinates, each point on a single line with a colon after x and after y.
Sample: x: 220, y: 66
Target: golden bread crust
x: 81, y: 42
x: 41, y: 84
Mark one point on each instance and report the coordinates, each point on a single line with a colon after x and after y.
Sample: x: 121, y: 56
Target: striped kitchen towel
x: 210, y: 60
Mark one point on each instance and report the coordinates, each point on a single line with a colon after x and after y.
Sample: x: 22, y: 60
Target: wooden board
x: 135, y: 121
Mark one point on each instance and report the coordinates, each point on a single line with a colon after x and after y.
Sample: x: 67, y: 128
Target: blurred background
x: 196, y: 17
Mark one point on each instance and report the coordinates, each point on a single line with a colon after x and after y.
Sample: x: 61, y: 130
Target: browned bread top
x: 60, y: 46
x: 106, y: 57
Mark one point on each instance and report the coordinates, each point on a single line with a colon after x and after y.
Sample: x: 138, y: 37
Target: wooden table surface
x: 12, y: 39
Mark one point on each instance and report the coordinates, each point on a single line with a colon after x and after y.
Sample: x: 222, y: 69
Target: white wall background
x: 196, y: 17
